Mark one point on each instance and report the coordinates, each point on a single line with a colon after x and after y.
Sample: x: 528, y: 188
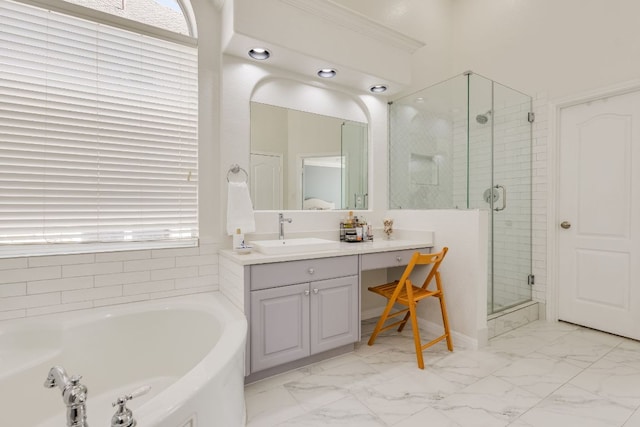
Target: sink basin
x: 292, y: 246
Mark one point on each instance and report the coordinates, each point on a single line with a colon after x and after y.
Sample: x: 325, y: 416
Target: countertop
x: 342, y: 249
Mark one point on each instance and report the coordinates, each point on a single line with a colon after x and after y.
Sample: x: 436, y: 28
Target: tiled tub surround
x: 544, y: 374
x: 31, y: 286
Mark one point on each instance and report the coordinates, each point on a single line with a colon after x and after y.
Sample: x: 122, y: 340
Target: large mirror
x: 306, y: 161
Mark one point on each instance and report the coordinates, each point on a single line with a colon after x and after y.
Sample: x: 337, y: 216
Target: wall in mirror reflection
x: 307, y: 161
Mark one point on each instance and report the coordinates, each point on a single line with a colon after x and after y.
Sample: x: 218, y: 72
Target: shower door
x: 500, y: 180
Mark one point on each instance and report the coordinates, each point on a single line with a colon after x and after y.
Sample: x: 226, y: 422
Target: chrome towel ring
x: 234, y: 169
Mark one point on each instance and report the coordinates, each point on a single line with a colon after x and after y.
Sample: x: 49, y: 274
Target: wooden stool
x: 405, y: 293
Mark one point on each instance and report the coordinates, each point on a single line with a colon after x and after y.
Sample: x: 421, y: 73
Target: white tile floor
x: 542, y: 374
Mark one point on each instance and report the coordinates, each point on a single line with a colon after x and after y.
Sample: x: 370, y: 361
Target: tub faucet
x: 281, y: 221
x: 74, y: 395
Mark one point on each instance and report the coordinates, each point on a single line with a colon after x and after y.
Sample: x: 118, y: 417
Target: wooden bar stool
x: 405, y: 293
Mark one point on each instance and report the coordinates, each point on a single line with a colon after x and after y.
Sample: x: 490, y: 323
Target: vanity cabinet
x: 302, y: 308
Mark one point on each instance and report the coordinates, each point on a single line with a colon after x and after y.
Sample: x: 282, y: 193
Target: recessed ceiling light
x: 327, y: 73
x: 378, y: 88
x: 259, y: 53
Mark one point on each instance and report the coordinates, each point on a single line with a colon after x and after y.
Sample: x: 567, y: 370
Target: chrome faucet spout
x: 74, y: 395
x: 281, y: 221
x: 57, y: 377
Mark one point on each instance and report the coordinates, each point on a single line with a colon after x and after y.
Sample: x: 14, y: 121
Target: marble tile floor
x: 542, y: 374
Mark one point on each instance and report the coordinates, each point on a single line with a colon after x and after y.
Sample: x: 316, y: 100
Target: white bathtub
x: 190, y: 350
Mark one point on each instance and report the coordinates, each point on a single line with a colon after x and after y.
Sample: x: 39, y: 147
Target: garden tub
x: 189, y: 349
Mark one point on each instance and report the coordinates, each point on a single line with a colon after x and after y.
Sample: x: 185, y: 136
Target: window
x: 99, y: 132
x: 166, y: 14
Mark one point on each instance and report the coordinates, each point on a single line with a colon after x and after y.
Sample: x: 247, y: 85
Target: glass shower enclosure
x: 465, y: 143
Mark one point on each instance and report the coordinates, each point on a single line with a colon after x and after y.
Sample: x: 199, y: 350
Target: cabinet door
x: 334, y: 313
x: 279, y: 325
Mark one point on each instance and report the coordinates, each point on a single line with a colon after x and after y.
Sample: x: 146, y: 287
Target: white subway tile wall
x: 421, y: 135
x: 32, y: 286
x: 232, y: 282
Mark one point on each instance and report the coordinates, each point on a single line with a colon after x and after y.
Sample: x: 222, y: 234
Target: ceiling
x: 379, y: 48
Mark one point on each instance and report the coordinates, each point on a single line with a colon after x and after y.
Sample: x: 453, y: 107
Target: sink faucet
x: 74, y: 395
x: 281, y: 221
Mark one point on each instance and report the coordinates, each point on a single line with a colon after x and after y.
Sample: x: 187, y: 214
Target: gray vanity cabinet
x: 302, y: 308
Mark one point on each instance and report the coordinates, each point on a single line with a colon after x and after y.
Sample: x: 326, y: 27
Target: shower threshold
x: 512, y: 318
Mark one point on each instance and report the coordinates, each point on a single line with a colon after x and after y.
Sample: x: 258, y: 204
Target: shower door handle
x: 504, y: 198
x: 360, y: 200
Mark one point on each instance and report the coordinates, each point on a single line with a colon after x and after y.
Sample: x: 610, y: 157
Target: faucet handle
x: 136, y: 393
x: 124, y: 416
x: 139, y: 392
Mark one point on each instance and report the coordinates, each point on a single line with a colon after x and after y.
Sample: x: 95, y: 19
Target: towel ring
x: 236, y: 169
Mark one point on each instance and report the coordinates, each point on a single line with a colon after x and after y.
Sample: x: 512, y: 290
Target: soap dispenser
x: 238, y: 239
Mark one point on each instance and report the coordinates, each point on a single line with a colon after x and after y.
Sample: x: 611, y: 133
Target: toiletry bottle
x: 365, y: 229
x: 238, y: 239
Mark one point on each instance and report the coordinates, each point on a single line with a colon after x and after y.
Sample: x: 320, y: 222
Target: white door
x: 599, y: 214
x: 266, y: 181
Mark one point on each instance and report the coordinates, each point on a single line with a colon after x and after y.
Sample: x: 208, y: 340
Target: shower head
x: 483, y: 118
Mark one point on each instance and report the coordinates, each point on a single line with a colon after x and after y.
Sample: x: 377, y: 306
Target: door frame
x: 553, y: 173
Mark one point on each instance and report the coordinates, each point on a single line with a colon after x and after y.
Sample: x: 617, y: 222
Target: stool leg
x: 404, y: 322
x: 445, y: 321
x: 443, y: 309
x: 380, y: 324
x: 416, y: 334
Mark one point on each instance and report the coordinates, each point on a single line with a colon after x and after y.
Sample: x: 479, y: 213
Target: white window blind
x: 98, y: 132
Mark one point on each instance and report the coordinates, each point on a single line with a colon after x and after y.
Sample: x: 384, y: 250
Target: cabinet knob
x: 399, y: 258
x: 311, y: 270
x: 306, y: 292
x: 315, y: 290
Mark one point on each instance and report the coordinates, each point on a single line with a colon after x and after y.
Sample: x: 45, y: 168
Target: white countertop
x: 343, y: 249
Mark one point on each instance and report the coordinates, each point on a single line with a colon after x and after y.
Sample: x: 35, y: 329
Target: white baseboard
x: 464, y: 340
x: 371, y: 313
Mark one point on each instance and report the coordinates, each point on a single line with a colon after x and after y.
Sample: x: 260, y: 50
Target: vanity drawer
x: 265, y: 276
x: 389, y: 259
